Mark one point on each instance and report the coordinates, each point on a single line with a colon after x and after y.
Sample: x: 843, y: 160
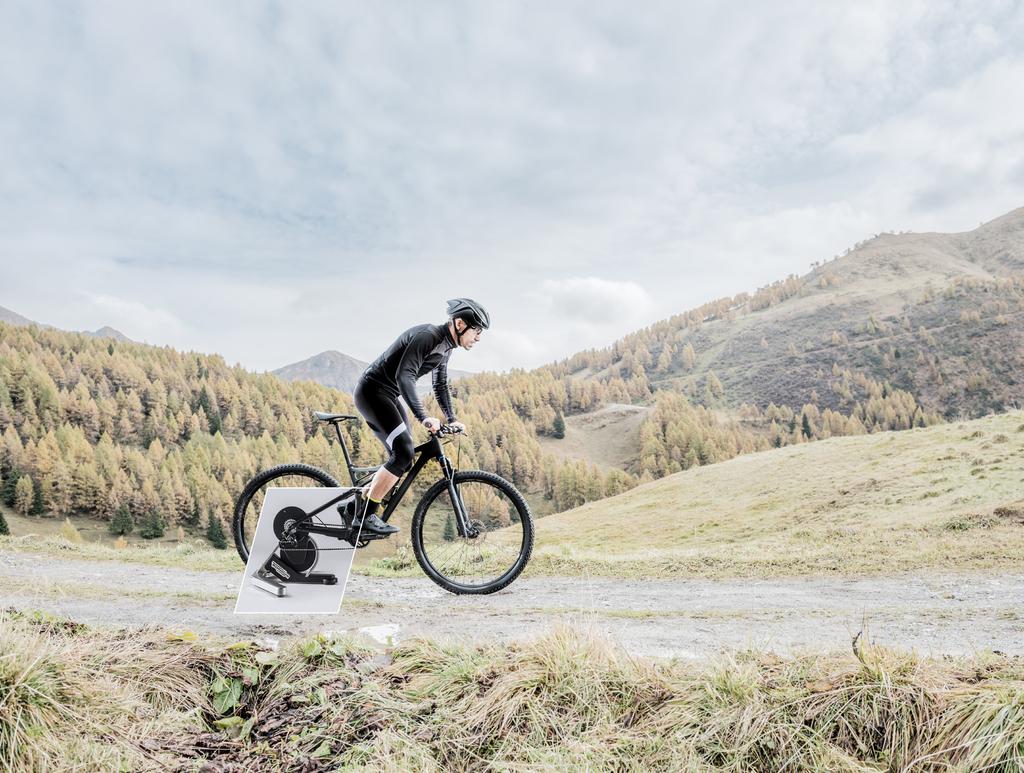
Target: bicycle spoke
x: 483, y: 558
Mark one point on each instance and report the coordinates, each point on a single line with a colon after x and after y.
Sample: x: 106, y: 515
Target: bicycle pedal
x: 365, y: 536
x: 369, y: 535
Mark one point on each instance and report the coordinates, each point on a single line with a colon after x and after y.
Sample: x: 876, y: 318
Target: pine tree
x: 7, y: 492
x: 689, y: 356
x: 153, y: 526
x: 195, y: 517
x: 209, y: 407
x: 3, y: 525
x: 449, y: 529
x: 38, y: 506
x: 122, y: 522
x: 714, y: 385
x: 665, y: 358
x: 215, y: 532
x: 23, y: 495
x: 558, y: 428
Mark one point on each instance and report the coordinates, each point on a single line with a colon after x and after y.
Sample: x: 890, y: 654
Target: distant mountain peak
x: 330, y: 368
x: 341, y: 371
x: 108, y: 332
x: 13, y: 318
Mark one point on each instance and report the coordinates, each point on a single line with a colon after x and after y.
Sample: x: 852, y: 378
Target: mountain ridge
x: 341, y: 371
x: 927, y: 312
x: 13, y: 318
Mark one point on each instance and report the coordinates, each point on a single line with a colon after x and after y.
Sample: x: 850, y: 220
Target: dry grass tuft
x: 72, y: 698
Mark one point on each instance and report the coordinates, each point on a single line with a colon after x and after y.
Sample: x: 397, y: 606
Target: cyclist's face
x: 471, y: 336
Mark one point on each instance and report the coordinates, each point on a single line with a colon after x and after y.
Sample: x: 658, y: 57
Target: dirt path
x: 934, y: 614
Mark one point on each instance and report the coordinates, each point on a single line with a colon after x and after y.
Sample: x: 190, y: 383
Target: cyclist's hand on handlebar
x: 457, y: 426
x: 431, y: 423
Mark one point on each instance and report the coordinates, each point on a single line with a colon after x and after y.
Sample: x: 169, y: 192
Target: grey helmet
x: 469, y: 311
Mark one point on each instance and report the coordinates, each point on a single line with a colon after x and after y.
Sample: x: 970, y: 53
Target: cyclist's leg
x: 387, y: 419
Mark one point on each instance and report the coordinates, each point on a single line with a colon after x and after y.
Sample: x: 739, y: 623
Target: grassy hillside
x: 937, y: 315
x: 81, y: 699
x: 949, y: 496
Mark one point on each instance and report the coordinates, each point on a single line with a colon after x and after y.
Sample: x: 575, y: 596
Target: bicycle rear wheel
x: 250, y: 501
x: 484, y: 563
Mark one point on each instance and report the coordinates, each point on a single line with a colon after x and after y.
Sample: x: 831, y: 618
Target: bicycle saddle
x: 333, y: 416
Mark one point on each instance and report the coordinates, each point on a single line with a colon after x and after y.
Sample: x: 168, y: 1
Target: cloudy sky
x: 268, y: 181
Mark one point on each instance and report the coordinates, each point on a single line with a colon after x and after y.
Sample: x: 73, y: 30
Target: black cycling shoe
x: 374, y: 525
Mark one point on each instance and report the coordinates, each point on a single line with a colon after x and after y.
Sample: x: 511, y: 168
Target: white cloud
x: 952, y: 155
x: 498, y: 346
x: 137, y: 320
x: 313, y: 176
x: 594, y: 301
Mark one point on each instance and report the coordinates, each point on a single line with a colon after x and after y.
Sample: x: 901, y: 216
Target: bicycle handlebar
x: 447, y: 429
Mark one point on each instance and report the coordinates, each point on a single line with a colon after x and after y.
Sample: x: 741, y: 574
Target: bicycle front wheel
x: 489, y: 559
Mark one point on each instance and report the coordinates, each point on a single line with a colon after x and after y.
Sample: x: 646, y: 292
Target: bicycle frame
x: 432, y: 449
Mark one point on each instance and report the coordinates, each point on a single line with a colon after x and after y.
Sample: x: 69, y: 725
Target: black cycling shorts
x: 386, y: 417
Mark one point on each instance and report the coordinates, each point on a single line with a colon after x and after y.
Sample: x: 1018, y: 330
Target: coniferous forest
x: 160, y: 438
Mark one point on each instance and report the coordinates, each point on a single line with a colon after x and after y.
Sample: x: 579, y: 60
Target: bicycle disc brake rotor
x: 297, y: 547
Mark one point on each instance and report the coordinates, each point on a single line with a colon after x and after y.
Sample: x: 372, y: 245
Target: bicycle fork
x: 462, y: 523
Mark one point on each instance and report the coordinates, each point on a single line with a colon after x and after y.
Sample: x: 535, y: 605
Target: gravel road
x: 934, y: 613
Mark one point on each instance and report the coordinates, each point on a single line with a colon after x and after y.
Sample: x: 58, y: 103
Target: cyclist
x: 419, y: 350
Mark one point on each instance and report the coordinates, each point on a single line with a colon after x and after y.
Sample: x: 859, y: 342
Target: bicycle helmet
x: 470, y: 312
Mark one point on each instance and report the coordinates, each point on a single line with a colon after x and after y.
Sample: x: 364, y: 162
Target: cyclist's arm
x: 441, y: 391
x: 408, y: 366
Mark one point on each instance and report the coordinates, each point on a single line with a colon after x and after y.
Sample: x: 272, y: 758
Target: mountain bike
x: 471, y: 532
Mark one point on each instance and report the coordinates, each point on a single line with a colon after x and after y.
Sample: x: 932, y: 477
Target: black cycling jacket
x: 416, y: 352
